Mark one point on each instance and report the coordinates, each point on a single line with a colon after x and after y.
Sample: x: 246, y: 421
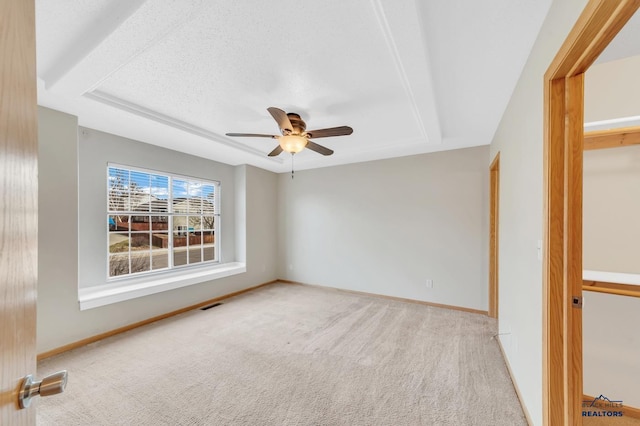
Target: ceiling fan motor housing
x: 298, y: 124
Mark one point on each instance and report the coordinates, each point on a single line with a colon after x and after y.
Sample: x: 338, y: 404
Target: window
x: 157, y: 221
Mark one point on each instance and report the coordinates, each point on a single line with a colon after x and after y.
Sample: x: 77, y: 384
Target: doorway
x: 598, y: 24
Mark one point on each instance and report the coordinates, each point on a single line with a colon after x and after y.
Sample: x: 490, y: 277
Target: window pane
x: 159, y: 223
x: 195, y: 254
x: 208, y: 245
x: 112, y: 223
x: 179, y: 249
x: 140, y: 261
x: 118, y: 265
x: 140, y: 241
x: 179, y: 239
x: 209, y: 253
x: 195, y: 248
x: 118, y: 189
x: 118, y: 243
x: 139, y: 190
x: 194, y: 204
x: 195, y: 223
x: 160, y: 260
x: 208, y: 222
x: 159, y: 193
x: 159, y: 241
x: 159, y: 250
x: 181, y: 225
x: 158, y: 205
x: 121, y: 223
x: 140, y: 250
x: 208, y: 200
x: 179, y: 189
x: 139, y: 223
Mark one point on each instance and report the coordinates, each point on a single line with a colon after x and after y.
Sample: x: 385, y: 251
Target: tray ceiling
x: 409, y: 76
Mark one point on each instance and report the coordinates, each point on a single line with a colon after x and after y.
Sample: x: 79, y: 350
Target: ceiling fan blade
x: 281, y: 118
x: 333, y: 131
x: 249, y: 135
x: 276, y: 151
x: 319, y: 148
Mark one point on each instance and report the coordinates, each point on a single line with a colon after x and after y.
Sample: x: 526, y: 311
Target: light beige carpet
x: 291, y: 355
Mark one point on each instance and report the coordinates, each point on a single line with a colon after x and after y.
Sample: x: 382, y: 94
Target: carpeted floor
x: 291, y: 355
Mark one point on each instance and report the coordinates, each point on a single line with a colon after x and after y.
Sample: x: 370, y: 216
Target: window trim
x: 171, y: 268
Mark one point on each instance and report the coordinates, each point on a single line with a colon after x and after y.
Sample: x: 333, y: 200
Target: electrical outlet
x: 429, y: 283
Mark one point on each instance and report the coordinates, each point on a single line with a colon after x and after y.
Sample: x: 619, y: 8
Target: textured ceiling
x: 410, y: 76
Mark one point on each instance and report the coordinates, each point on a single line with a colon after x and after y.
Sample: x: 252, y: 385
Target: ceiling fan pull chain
x: 292, y: 154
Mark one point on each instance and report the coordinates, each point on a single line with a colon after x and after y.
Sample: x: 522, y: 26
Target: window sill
x: 106, y: 294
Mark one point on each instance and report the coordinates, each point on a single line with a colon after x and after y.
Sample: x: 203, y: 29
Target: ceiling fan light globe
x: 292, y: 143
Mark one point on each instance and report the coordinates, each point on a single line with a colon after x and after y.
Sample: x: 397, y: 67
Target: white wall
x: 612, y: 90
x: 611, y: 210
x: 611, y: 235
x: 611, y: 347
x: 387, y: 226
x: 59, y: 319
x: 519, y: 139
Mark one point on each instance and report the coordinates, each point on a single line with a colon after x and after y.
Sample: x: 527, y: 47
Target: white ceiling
x: 410, y: 76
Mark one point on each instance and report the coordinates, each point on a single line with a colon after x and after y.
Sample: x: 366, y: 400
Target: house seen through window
x: 157, y: 221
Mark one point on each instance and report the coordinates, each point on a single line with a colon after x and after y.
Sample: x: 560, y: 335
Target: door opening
x: 598, y: 24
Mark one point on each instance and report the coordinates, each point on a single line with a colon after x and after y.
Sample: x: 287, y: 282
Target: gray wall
x: 519, y: 139
x: 387, y: 226
x: 59, y: 319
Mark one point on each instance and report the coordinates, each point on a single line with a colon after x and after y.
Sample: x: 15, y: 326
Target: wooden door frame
x: 494, y: 220
x: 598, y: 24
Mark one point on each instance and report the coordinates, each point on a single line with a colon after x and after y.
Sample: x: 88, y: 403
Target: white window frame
x: 171, y: 268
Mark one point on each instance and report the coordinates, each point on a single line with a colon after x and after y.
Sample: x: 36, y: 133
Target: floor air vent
x: 204, y: 308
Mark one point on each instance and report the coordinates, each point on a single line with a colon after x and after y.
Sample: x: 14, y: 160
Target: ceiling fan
x: 295, y: 136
